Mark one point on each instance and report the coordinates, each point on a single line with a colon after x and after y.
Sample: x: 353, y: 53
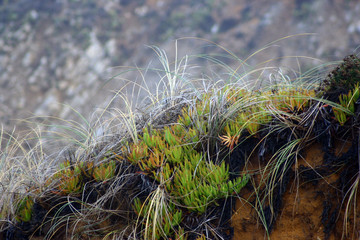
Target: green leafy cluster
x: 160, y: 146
x: 103, y: 171
x: 287, y: 98
x: 250, y: 119
x: 292, y: 99
x: 169, y: 155
x: 196, y: 117
x: 69, y: 178
x: 197, y: 183
x: 24, y: 209
x: 347, y: 102
x: 173, y: 156
x: 257, y: 109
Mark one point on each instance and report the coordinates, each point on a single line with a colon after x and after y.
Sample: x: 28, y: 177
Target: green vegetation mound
x: 176, y: 171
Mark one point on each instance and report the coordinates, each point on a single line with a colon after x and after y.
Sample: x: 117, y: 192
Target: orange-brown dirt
x: 302, y: 207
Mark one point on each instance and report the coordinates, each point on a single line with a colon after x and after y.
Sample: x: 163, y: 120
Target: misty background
x: 58, y: 56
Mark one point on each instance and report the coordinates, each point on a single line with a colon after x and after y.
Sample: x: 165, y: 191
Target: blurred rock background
x: 65, y: 51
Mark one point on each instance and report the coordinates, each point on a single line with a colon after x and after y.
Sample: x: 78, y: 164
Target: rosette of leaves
x: 347, y: 102
x: 232, y: 133
x: 137, y: 152
x: 185, y: 118
x: 104, y: 171
x: 255, y: 118
x: 69, y: 178
x: 24, y: 209
x: 147, y: 153
x: 250, y: 119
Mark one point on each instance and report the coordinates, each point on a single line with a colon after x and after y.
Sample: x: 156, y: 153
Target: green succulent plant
x: 24, y: 209
x: 347, y: 102
x: 198, y: 184
x: 138, y: 152
x: 170, y: 156
x: 69, y: 178
x: 104, y: 171
x: 292, y: 99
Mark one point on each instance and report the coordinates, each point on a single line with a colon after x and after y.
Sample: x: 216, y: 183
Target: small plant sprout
x: 232, y: 134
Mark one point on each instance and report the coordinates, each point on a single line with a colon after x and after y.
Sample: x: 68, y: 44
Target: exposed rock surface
x: 63, y: 51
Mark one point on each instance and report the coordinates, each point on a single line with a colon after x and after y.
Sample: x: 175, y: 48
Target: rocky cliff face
x: 64, y: 51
